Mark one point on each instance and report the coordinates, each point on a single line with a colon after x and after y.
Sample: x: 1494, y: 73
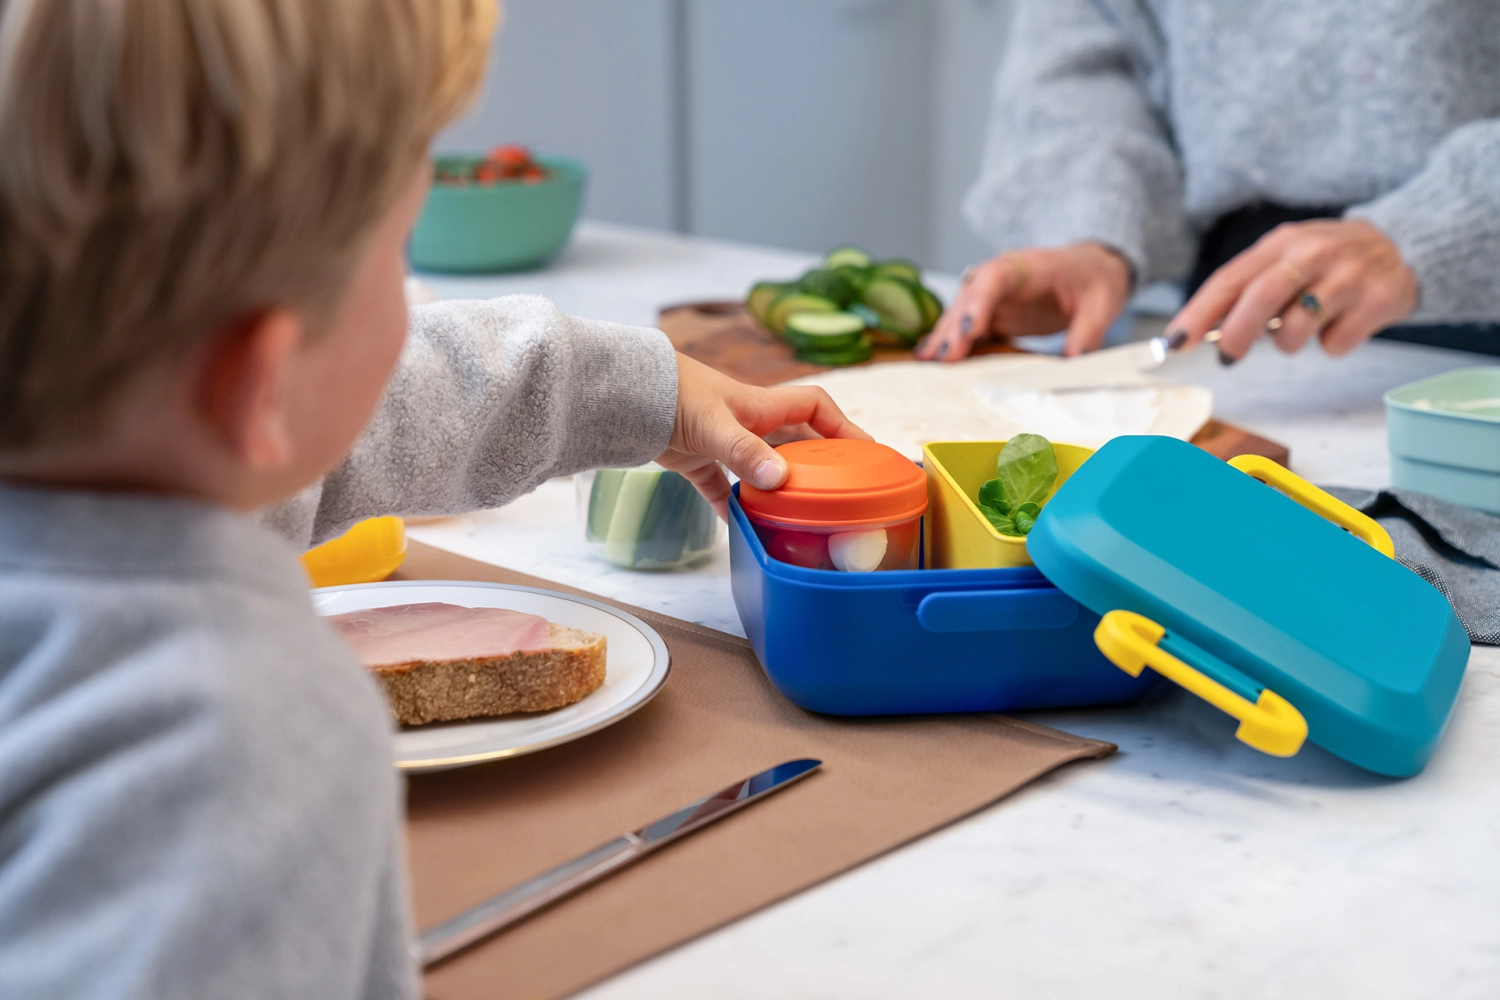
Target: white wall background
x: 797, y: 123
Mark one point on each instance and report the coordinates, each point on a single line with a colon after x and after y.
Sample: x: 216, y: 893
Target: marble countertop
x: 1187, y: 865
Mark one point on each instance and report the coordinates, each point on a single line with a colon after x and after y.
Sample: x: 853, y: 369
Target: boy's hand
x: 721, y: 420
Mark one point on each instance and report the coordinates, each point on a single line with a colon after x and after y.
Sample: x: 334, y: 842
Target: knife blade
x: 521, y: 901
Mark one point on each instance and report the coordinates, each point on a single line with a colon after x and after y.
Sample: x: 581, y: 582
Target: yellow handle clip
x: 1325, y: 505
x: 1271, y: 725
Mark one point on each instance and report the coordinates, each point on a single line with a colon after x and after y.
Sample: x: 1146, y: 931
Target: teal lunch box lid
x: 1300, y: 624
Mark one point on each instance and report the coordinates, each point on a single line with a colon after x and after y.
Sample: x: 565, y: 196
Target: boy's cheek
x: 343, y: 373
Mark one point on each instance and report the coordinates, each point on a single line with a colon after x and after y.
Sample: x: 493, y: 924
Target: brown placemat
x: 725, y: 337
x: 475, y: 831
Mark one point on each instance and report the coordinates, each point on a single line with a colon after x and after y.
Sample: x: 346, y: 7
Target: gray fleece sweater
x: 196, y: 791
x: 1139, y: 122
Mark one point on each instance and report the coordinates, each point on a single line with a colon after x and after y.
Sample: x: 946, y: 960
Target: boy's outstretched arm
x: 492, y: 398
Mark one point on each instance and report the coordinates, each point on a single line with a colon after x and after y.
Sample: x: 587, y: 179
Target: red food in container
x: 846, y: 505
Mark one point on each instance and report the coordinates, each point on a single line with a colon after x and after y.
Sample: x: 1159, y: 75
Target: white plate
x: 636, y: 665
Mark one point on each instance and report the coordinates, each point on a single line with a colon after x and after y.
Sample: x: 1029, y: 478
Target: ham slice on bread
x: 442, y: 662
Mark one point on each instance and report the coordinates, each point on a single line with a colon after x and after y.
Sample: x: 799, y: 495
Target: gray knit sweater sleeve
x: 490, y: 399
x: 1077, y: 147
x: 1446, y: 223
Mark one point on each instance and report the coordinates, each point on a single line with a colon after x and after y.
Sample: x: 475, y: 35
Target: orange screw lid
x: 837, y: 481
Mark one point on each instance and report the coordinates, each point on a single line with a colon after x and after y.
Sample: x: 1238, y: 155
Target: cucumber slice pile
x: 823, y: 331
x: 829, y: 338
x: 886, y: 297
x: 648, y: 518
x: 860, y: 351
x: 851, y: 256
x: 796, y: 302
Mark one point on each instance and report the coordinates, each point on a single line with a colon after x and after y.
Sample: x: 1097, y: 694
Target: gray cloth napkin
x: 1456, y: 549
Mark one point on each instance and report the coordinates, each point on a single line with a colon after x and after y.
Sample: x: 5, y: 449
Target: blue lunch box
x: 918, y: 641
x: 1284, y: 609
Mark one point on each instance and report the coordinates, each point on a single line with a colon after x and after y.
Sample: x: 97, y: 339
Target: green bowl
x: 504, y: 226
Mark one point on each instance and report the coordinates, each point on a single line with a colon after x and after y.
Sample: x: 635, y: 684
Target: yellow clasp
x: 1323, y: 504
x: 1271, y: 725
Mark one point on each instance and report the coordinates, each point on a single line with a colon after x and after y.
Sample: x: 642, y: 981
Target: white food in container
x: 858, y: 551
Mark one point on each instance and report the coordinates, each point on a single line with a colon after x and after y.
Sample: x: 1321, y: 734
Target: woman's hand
x: 1341, y: 280
x: 721, y: 420
x: 1081, y: 287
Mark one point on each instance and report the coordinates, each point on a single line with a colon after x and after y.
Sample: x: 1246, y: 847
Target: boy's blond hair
x: 168, y: 166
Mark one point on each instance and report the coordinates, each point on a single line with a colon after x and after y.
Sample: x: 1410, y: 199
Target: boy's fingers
x: 770, y: 411
x: 824, y: 416
x: 746, y: 455
x: 709, y: 480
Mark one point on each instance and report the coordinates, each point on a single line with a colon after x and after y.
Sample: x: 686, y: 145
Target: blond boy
x: 202, y: 210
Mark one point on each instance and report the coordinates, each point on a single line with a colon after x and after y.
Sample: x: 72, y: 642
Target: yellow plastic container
x: 956, y: 534
x: 370, y: 551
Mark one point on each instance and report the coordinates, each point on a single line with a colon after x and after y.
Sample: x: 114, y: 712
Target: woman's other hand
x: 1340, y: 280
x: 1081, y: 287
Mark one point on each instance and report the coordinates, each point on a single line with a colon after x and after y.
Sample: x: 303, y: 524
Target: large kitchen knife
x: 517, y: 903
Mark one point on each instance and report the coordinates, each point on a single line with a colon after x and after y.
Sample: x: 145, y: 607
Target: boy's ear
x: 242, y: 394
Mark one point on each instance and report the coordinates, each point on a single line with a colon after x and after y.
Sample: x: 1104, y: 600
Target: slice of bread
x: 421, y: 691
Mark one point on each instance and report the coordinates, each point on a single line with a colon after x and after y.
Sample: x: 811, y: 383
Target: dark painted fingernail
x: 1176, y: 340
x: 942, y: 351
x: 1226, y: 359
x: 966, y: 324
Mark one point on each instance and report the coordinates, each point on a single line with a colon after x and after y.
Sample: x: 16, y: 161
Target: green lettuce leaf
x: 1027, y: 469
x: 992, y: 494
x: 1024, y: 474
x: 1026, y: 516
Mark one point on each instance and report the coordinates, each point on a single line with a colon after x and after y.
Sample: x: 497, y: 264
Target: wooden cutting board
x: 724, y: 336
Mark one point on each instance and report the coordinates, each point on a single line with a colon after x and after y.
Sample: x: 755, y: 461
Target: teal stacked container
x: 1444, y: 436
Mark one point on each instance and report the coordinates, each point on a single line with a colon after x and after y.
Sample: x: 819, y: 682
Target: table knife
x: 1113, y: 367
x: 521, y: 901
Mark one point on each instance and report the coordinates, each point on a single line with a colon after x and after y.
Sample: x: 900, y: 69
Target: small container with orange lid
x: 847, y: 505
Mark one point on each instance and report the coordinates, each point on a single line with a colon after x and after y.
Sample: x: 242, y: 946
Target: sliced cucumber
x: 864, y: 312
x: 858, y: 277
x: 899, y: 269
x: 828, y: 284
x: 899, y: 304
x: 795, y: 302
x: 846, y: 255
x: 629, y: 514
x: 860, y: 351
x: 762, y: 296
x: 649, y: 518
x: 678, y: 526
x: 932, y: 308
x: 602, y: 497
x: 824, y: 331
x: 662, y: 535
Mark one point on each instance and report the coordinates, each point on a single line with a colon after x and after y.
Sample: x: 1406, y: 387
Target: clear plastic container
x: 645, y: 518
x: 861, y: 549
x: 851, y: 506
